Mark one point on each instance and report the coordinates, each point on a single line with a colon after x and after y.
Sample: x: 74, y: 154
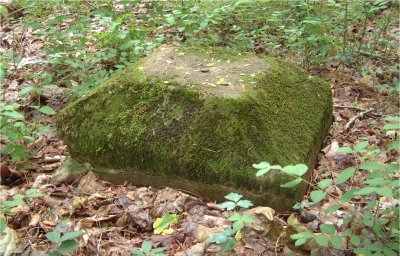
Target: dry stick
x: 354, y: 118
x: 350, y: 107
x: 277, y: 243
x: 358, y: 108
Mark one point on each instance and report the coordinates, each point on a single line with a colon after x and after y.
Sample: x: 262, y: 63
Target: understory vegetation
x: 53, y: 52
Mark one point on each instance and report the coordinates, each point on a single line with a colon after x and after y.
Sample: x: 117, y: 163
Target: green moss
x: 139, y: 122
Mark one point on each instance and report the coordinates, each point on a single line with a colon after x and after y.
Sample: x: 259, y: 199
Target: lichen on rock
x: 197, y: 118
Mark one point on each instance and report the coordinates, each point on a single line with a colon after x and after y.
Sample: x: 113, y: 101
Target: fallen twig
x: 358, y: 108
x: 354, y: 118
x: 350, y: 107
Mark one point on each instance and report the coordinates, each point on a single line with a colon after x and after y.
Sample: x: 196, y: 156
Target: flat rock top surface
x: 214, y: 73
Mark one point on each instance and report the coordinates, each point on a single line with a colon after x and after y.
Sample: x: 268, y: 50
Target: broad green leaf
x: 238, y: 225
x: 300, y: 242
x: 12, y: 106
x: 275, y: 167
x: 247, y: 218
x: 323, y: 184
x: 217, y: 238
x: 234, y: 217
x: 261, y: 165
x: 72, y: 63
x: 377, y: 181
x: 302, y: 235
x: 18, y: 196
x: 268, y: 168
x: 162, y: 224
x: 395, y: 183
x: 327, y: 229
x: 146, y: 246
x: 370, y: 165
x: 322, y: 240
x: 47, y: 110
x: 362, y: 251
x: 170, y: 20
x: 390, y: 252
x: 317, y: 195
x: 345, y: 150
x: 372, y: 204
x: 233, y: 197
x: 71, y: 235
x: 158, y: 250
x: 337, y: 242
x: 68, y: 246
x: 13, y: 203
x: 227, y: 205
x: 3, y: 224
x: 345, y: 175
x: 393, y: 167
x: 33, y: 192
x: 27, y: 90
x: 391, y: 127
x: 137, y: 252
x: 228, y: 244
x: 262, y: 172
x: 374, y: 175
x: 228, y: 232
x: 13, y: 114
x: 347, y: 232
x: 54, y: 236
x: 385, y: 191
x: 244, y: 203
x: 292, y: 183
x: 361, y: 145
x: 297, y: 170
x: 3, y: 69
x: 394, y: 145
x: 392, y: 118
x: 332, y: 208
x: 367, y: 191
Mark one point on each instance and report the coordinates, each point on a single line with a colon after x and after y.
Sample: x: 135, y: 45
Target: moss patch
x: 153, y: 121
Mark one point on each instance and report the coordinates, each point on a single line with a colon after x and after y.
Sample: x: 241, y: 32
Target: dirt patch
x: 213, y: 76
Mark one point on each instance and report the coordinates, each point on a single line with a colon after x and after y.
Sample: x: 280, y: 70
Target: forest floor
x: 112, y: 220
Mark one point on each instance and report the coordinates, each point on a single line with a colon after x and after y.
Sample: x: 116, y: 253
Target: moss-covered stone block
x: 196, y: 119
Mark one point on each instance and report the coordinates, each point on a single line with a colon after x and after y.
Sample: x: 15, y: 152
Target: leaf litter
x: 116, y: 218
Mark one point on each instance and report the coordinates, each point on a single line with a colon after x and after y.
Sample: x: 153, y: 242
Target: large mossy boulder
x: 197, y: 119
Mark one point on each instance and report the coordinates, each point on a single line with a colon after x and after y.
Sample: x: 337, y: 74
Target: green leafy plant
x: 234, y: 202
x: 225, y: 238
x: 65, y: 243
x: 239, y: 220
x: 147, y: 250
x: 7, y: 206
x: 16, y: 131
x: 373, y: 231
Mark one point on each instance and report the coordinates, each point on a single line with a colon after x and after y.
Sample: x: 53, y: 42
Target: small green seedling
x: 239, y: 220
x: 225, y: 238
x: 7, y: 206
x: 234, y: 201
x: 65, y: 243
x: 147, y: 250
